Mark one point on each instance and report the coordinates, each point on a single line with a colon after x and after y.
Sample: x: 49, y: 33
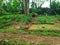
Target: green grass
x: 46, y: 19
x: 34, y: 32
x: 19, y: 41
x: 7, y: 20
x: 41, y: 32
x: 12, y: 30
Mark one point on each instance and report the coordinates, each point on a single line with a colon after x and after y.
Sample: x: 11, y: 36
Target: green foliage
x: 7, y: 20
x: 58, y: 16
x: 42, y: 32
x: 55, y: 7
x: 1, y: 2
x: 4, y: 21
x: 41, y: 19
x: 6, y: 42
x: 2, y: 11
x: 23, y: 18
x: 44, y: 19
x: 33, y: 7
x: 14, y: 6
x: 18, y: 41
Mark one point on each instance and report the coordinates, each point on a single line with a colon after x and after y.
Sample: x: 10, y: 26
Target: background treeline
x: 21, y: 7
x: 54, y: 8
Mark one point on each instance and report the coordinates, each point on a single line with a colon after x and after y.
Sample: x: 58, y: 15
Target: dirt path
x: 43, y: 39
x: 45, y: 26
x: 32, y: 38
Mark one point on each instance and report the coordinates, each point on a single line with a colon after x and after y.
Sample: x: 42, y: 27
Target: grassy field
x: 19, y: 41
x: 12, y: 36
x: 13, y: 29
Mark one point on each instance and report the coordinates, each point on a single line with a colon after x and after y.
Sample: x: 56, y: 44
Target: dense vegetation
x: 7, y: 20
x: 17, y: 18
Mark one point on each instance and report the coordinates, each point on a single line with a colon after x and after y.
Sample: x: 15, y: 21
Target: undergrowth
x: 17, y: 41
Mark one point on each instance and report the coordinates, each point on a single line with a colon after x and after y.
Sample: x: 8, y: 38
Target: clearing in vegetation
x: 29, y: 22
x: 28, y: 30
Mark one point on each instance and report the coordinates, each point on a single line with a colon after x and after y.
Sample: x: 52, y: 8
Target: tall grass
x: 7, y: 20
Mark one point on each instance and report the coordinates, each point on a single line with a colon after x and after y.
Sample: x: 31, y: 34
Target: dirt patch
x: 45, y: 27
x: 56, y: 26
x: 43, y: 39
x: 8, y: 35
x: 32, y: 38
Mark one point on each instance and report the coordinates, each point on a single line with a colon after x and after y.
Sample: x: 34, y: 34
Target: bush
x: 58, y: 16
x: 44, y: 19
x: 7, y: 20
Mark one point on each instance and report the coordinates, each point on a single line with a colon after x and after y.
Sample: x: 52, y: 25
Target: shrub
x: 7, y: 20
x: 58, y: 17
x: 44, y: 19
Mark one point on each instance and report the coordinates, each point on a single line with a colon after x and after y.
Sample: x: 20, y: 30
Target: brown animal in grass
x: 27, y: 26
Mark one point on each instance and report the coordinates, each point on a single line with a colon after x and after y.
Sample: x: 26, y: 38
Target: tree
x: 2, y: 11
x: 1, y: 2
x: 50, y: 3
x: 55, y: 6
x: 26, y: 6
x: 13, y: 6
x: 33, y: 5
x: 36, y: 6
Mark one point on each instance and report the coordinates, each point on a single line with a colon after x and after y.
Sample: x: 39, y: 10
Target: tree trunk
x: 26, y: 6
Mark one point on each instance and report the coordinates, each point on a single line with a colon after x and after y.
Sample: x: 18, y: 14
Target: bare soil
x: 32, y: 38
x: 45, y: 26
x: 56, y: 26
